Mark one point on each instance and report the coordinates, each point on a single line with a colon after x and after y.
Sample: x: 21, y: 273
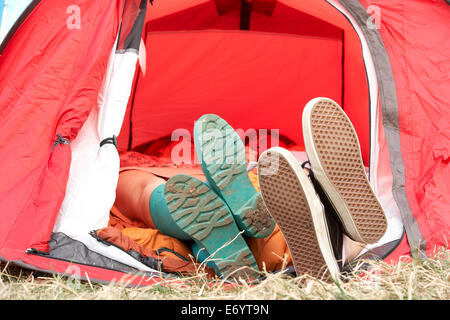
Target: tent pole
x: 246, y: 9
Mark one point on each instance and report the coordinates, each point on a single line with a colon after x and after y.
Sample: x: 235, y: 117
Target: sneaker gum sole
x: 199, y: 212
x: 291, y: 199
x: 223, y: 160
x: 333, y: 150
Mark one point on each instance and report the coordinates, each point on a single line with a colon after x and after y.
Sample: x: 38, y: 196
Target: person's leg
x: 351, y: 249
x: 133, y: 192
x: 140, y: 197
x: 187, y: 209
x: 271, y: 253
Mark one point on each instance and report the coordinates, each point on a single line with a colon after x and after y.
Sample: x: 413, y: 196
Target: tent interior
x: 257, y: 70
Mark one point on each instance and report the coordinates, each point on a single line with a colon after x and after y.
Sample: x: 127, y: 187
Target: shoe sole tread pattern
x: 222, y: 154
x: 199, y: 212
x: 337, y: 147
x: 285, y: 198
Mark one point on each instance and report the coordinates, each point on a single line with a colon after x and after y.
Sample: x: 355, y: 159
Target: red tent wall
x: 307, y: 70
x: 50, y: 76
x: 252, y: 80
x: 416, y: 39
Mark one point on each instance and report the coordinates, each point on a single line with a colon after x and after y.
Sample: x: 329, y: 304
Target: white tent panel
x: 94, y: 171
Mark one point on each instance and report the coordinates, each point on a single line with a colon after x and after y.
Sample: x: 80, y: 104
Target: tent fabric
x: 262, y: 6
x: 64, y: 248
x: 41, y: 97
x: 356, y: 92
x: 81, y: 271
x: 90, y: 192
x: 68, y: 100
x: 94, y: 171
x: 284, y: 20
x: 230, y: 85
x: 71, y: 86
x: 411, y: 34
x: 388, y: 101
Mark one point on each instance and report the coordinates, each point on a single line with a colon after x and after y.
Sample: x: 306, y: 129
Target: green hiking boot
x: 189, y: 208
x: 222, y: 157
x: 202, y: 256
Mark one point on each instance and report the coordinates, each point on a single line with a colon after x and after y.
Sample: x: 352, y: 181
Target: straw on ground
x: 417, y: 279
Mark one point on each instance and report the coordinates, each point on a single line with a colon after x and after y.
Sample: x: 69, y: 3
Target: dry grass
x: 422, y: 279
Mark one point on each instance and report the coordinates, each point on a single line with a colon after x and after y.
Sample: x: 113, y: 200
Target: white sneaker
x: 292, y: 201
x: 334, y: 153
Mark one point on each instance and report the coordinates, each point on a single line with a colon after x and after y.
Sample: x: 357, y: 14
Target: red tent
x: 76, y: 73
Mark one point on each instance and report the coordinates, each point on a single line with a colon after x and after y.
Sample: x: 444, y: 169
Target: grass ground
x: 421, y: 279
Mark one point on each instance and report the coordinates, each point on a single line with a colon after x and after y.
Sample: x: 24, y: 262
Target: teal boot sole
x: 201, y: 214
x: 222, y: 157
